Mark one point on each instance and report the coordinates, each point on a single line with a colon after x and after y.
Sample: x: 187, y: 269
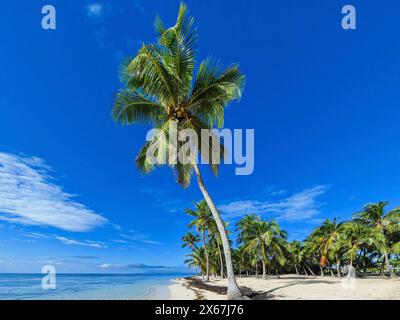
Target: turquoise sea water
x: 87, y: 286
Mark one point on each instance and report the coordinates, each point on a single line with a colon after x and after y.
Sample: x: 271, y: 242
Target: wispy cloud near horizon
x: 301, y: 205
x: 85, y: 243
x: 65, y: 240
x: 29, y: 196
x: 136, y: 236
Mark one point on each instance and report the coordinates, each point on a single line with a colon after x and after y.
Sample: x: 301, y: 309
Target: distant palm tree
x: 240, y: 259
x: 358, y: 236
x: 189, y: 240
x: 160, y: 89
x: 196, y: 259
x: 216, y: 238
x: 214, y: 255
x: 245, y: 228
x: 312, y: 250
x: 294, y: 249
x: 327, y: 237
x: 203, y: 223
x: 338, y: 250
x: 307, y: 254
x: 245, y: 225
x: 374, y: 216
x: 267, y: 239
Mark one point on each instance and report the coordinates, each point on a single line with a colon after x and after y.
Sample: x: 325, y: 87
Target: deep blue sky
x: 324, y: 103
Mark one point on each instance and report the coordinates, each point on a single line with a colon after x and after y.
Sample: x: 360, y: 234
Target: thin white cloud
x: 86, y: 243
x: 36, y: 235
x: 29, y: 196
x: 138, y: 267
x: 105, y: 265
x: 138, y: 236
x: 95, y: 10
x: 278, y: 192
x: 65, y: 240
x: 302, y: 205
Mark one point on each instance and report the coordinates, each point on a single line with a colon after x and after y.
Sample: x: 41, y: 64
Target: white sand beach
x: 292, y: 287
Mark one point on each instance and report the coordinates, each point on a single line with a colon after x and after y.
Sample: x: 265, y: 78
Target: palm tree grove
x: 369, y: 244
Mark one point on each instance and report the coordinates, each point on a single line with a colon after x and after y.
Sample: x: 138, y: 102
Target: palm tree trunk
x: 309, y: 269
x: 350, y: 269
x: 207, y: 259
x: 305, y: 271
x: 330, y: 268
x: 364, y: 268
x: 264, y: 276
x: 387, y: 261
x: 364, y: 262
x: 221, y: 261
x: 233, y: 289
x: 321, y: 270
x: 277, y: 272
x: 383, y: 268
x: 295, y: 267
x: 338, y: 267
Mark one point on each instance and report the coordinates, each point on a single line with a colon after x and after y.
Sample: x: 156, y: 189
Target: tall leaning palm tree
x: 160, y: 89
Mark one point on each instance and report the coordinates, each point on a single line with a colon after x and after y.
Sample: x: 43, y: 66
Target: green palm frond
x: 181, y: 41
x: 396, y: 248
x: 133, y: 108
x: 184, y: 173
x: 147, y: 72
x: 158, y: 147
x: 203, y: 220
x: 190, y: 239
x: 214, y: 88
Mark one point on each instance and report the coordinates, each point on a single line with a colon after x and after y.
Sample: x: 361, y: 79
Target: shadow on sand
x: 196, y: 283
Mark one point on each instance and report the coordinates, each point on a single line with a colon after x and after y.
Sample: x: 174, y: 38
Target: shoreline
x: 290, y: 287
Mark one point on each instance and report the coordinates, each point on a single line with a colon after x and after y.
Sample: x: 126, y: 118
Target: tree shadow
x: 267, y: 295
x: 253, y: 294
